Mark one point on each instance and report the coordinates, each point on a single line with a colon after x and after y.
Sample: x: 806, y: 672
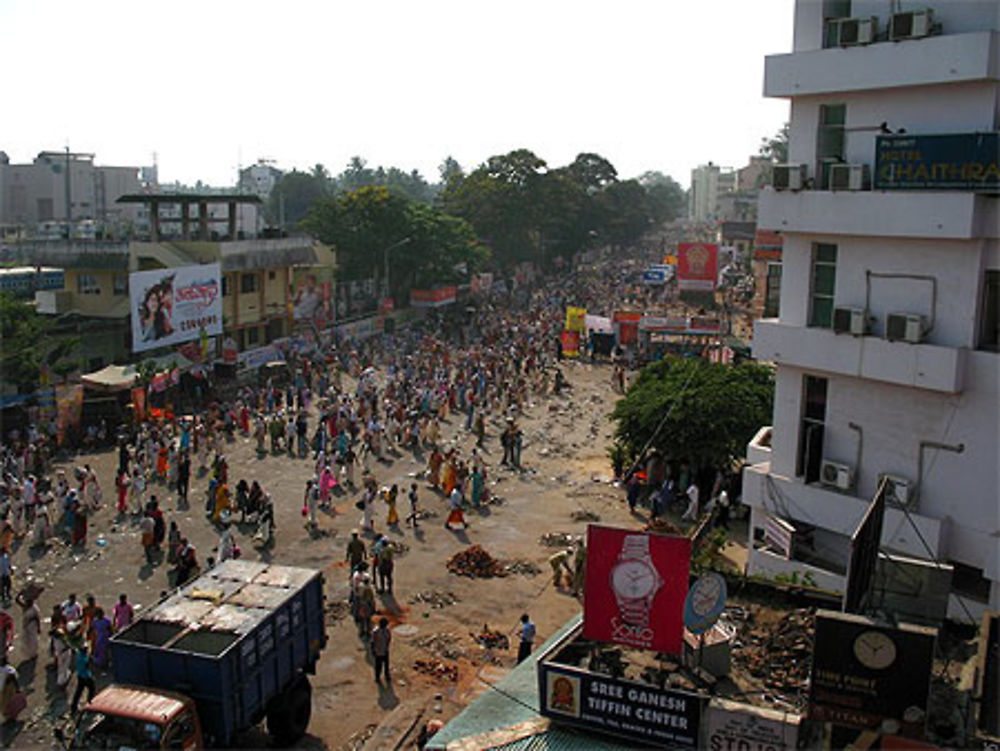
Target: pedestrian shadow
x: 146, y: 571
x: 482, y: 510
x: 387, y: 698
x: 418, y: 534
x: 460, y: 535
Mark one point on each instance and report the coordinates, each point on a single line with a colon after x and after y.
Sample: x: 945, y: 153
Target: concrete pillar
x: 232, y: 220
x: 185, y: 221
x: 154, y: 220
x: 202, y: 220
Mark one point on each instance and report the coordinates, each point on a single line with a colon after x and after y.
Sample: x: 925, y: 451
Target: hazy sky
x: 208, y: 85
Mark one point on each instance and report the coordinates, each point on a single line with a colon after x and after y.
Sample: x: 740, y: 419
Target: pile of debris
x: 437, y: 669
x: 778, y: 655
x: 559, y: 539
x: 584, y: 516
x: 337, y: 610
x: 476, y: 563
x: 444, y: 645
x: 437, y: 599
x: 521, y: 566
x: 491, y: 639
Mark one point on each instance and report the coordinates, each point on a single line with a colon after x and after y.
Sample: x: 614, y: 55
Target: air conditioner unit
x: 913, y: 24
x: 906, y: 327
x: 849, y: 32
x: 836, y: 475
x: 849, y: 177
x: 850, y: 321
x: 897, y: 490
x: 789, y: 177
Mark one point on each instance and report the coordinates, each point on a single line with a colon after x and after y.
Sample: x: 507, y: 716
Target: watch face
x: 705, y: 596
x: 874, y: 650
x: 633, y: 579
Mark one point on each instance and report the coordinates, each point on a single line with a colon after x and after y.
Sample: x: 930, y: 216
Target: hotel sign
x: 961, y: 161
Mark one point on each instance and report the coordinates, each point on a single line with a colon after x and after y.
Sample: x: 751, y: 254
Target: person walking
x: 31, y: 625
x: 122, y: 614
x: 6, y: 574
x: 691, y: 513
x: 355, y: 552
x: 455, y: 515
x: 414, y: 500
x: 526, y: 631
x: 380, y: 640
x: 84, y: 670
x: 183, y: 477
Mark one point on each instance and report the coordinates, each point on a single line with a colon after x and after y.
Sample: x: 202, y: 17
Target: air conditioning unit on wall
x: 905, y: 327
x: 850, y: 321
x: 850, y: 32
x: 898, y: 491
x: 836, y: 475
x: 912, y: 24
x: 849, y: 177
x: 788, y: 177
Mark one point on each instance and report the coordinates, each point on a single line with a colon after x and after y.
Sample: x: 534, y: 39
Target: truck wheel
x: 288, y: 718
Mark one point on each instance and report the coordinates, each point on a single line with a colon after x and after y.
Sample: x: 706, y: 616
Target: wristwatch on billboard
x: 635, y: 581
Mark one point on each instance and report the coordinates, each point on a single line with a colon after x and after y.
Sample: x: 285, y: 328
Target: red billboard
x: 635, y: 588
x: 433, y: 298
x: 628, y: 325
x: 697, y: 266
x: 570, y: 343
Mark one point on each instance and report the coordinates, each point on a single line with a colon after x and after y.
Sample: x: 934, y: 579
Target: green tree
x: 294, y: 194
x: 26, y: 343
x: 775, y: 148
x: 667, y: 199
x: 693, y: 410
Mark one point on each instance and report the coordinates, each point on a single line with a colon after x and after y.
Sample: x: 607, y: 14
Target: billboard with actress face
x: 173, y: 306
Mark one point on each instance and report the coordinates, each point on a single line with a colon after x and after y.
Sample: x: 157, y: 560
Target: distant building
x: 259, y: 179
x: 33, y: 196
x: 707, y: 181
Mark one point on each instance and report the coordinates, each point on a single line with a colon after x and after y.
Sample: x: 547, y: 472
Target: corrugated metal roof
x: 560, y: 739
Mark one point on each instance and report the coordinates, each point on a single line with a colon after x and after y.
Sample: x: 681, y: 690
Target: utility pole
x: 69, y: 206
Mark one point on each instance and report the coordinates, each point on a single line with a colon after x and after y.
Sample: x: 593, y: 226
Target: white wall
x: 958, y: 108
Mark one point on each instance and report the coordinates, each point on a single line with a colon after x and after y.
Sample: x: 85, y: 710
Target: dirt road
x: 433, y: 612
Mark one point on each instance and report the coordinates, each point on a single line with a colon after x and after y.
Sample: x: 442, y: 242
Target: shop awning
x: 121, y: 377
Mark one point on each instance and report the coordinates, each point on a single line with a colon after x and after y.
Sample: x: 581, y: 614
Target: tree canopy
x: 525, y: 210
x: 709, y: 411
x: 374, y: 228
x: 294, y: 194
x: 26, y: 344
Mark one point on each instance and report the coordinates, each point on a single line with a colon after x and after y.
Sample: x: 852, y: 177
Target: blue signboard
x: 654, y: 276
x: 959, y: 161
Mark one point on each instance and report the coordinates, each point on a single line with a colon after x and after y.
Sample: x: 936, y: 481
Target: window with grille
x: 824, y: 275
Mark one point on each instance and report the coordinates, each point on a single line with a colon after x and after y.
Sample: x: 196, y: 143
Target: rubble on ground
x: 437, y: 669
x: 521, y: 566
x: 491, y: 638
x: 559, y: 539
x: 663, y: 526
x: 437, y: 599
x: 337, y: 610
x: 398, y: 548
x: 777, y: 655
x: 583, y: 515
x: 444, y: 645
x: 476, y: 563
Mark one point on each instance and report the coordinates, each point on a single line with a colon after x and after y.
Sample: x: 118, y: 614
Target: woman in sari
x: 221, y: 501
x: 101, y: 629
x: 327, y: 482
x: 161, y: 462
x: 392, y: 518
x: 434, y: 467
x: 476, y: 483
x: 449, y: 477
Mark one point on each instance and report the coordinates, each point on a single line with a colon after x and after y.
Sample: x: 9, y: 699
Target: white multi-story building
x: 708, y: 183
x: 886, y: 341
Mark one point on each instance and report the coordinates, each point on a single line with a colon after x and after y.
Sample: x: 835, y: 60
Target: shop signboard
x: 254, y: 358
x: 633, y: 710
x: 740, y: 727
x: 570, y: 341
x: 869, y: 675
x: 697, y: 266
x: 953, y: 161
x: 767, y: 245
x: 626, y: 323
x: 576, y: 319
x: 173, y: 306
x: 635, y: 588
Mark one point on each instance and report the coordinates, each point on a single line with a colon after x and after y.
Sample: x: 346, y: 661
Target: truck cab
x: 137, y: 718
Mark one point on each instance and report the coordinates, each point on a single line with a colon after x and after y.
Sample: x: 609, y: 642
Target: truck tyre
x: 288, y: 718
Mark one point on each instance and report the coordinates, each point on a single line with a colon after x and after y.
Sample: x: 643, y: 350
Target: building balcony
x: 922, y: 366
x: 839, y: 512
x: 944, y: 215
x: 949, y: 58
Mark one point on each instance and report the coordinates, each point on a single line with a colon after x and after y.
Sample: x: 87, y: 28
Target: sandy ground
x: 565, y: 470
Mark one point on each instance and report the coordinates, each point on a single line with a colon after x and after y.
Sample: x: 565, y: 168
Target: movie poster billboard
x: 173, y: 306
x: 697, y: 267
x: 310, y: 296
x: 635, y: 588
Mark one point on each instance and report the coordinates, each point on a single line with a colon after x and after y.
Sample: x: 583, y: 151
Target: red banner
x: 433, y: 298
x: 767, y: 245
x: 570, y: 343
x: 635, y: 588
x: 697, y: 266
x: 628, y: 325
x: 139, y: 404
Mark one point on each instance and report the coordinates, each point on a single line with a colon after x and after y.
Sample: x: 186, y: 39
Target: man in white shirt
x: 691, y: 514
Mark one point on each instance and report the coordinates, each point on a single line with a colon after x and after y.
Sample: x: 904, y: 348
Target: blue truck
x: 230, y: 649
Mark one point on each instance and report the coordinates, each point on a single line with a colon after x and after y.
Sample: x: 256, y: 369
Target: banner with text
x: 576, y: 319
x: 635, y: 588
x: 697, y: 267
x: 172, y: 306
x: 433, y: 298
